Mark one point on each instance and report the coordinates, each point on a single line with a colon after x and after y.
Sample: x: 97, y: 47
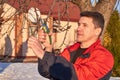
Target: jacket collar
x: 93, y: 46
x: 88, y: 50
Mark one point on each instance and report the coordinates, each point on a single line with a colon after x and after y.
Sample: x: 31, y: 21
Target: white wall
x: 8, y: 29
x: 70, y: 38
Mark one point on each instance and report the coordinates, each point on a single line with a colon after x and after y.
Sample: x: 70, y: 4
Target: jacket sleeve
x: 95, y: 67
x: 57, y: 67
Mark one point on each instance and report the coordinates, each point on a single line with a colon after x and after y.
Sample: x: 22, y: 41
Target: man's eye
x: 85, y: 25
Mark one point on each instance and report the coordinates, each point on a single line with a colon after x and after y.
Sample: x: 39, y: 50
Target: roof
x: 67, y: 10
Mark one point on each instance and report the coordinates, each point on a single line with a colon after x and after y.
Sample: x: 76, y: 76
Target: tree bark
x: 105, y: 7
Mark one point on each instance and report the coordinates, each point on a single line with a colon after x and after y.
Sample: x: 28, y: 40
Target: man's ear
x: 98, y: 31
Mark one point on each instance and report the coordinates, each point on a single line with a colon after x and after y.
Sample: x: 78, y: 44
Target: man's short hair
x: 98, y: 19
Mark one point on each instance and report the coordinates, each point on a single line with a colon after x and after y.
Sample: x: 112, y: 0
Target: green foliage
x: 113, y: 30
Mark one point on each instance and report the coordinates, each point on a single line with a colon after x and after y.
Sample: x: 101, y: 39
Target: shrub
x: 113, y: 37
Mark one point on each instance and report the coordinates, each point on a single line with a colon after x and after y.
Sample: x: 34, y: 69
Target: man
x: 85, y: 60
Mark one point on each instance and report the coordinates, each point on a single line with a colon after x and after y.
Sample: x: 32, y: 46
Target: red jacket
x: 95, y: 63
x: 94, y: 67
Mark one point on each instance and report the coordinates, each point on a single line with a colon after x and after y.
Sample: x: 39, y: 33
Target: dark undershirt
x: 78, y: 53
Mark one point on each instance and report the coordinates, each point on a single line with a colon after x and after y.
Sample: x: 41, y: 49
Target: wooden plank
x: 18, y: 34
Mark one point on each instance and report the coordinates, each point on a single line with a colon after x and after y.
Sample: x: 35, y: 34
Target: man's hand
x: 43, y: 38
x: 34, y: 44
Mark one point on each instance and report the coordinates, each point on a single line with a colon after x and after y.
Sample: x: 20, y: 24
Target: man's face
x: 86, y: 30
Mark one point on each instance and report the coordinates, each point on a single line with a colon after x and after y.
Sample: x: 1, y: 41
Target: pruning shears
x: 46, y: 30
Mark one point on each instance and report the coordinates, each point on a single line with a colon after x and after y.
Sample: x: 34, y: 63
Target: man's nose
x: 79, y: 27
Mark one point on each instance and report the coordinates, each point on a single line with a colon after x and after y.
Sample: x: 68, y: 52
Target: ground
x: 23, y: 71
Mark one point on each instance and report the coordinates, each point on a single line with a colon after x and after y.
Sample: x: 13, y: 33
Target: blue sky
x: 118, y: 5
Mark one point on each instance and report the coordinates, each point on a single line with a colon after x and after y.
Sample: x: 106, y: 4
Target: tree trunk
x: 106, y: 8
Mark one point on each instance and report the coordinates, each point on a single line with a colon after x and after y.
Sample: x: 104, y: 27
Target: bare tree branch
x: 83, y: 4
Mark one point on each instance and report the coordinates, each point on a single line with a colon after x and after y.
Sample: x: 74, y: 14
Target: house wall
x: 70, y: 36
x: 8, y: 28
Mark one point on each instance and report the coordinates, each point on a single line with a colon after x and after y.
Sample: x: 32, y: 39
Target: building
x: 62, y: 16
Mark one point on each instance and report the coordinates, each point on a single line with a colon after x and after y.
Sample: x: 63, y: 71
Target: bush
x: 113, y: 43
